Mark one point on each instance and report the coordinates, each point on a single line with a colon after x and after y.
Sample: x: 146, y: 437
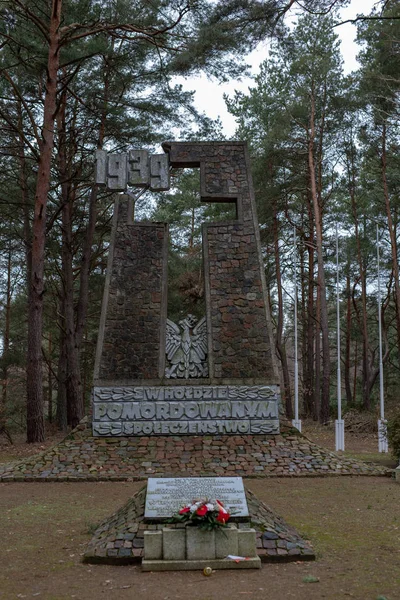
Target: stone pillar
x: 132, y: 328
x: 240, y: 343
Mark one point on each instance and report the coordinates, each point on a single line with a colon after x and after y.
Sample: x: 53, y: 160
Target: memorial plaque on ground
x: 165, y: 496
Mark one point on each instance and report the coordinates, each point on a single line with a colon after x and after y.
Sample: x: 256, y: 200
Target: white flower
x: 210, y: 506
x: 193, y: 508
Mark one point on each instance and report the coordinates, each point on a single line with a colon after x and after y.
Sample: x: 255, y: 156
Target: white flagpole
x: 296, y: 422
x: 382, y: 423
x: 339, y: 423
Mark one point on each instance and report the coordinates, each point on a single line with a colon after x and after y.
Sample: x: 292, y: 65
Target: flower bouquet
x: 203, y: 513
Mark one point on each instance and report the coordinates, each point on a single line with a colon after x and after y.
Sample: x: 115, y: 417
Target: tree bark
x: 6, y: 348
x: 35, y: 416
x: 83, y: 300
x: 392, y: 234
x: 50, y: 384
x: 317, y: 391
x: 61, y: 414
x: 363, y: 281
x: 304, y: 347
x: 355, y: 373
x: 347, y: 358
x: 311, y: 391
x: 74, y: 333
x: 280, y: 347
x: 75, y: 409
x: 326, y: 367
x: 27, y: 230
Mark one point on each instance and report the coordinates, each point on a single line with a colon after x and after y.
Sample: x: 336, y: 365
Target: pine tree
x: 292, y: 118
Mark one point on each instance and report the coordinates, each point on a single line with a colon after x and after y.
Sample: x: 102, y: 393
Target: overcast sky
x: 209, y: 95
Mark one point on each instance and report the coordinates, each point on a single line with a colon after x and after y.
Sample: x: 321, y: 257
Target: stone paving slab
x: 119, y: 539
x: 82, y: 457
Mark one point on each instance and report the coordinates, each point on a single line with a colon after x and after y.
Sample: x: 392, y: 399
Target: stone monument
x: 212, y: 376
x: 186, y: 548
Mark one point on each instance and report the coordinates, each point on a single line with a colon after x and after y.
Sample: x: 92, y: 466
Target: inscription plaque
x: 165, y: 496
x: 185, y: 410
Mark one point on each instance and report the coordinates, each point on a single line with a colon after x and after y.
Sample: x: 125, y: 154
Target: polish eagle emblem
x: 186, y: 348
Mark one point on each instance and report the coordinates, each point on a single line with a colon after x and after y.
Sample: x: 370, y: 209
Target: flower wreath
x: 203, y: 513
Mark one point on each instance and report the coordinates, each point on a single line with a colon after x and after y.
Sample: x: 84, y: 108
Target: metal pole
x: 382, y: 423
x: 339, y: 423
x: 296, y: 422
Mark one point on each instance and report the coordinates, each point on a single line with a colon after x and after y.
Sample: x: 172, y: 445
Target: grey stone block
x: 153, y: 545
x: 200, y: 544
x: 174, y: 544
x: 226, y: 542
x: 199, y: 565
x: 247, y: 542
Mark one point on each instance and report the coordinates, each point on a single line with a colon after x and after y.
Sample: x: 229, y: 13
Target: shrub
x: 393, y: 434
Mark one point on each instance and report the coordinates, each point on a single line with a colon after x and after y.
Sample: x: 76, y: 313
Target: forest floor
x: 352, y: 522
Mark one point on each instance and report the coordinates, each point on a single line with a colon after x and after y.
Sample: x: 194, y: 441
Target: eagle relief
x: 186, y: 348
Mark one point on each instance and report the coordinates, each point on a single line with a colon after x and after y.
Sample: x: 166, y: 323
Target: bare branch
x: 363, y: 18
x: 20, y: 97
x: 41, y: 25
x: 148, y: 34
x: 320, y: 13
x: 15, y: 128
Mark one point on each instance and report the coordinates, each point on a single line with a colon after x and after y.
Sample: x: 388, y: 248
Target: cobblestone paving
x: 119, y: 539
x: 80, y: 456
x: 7, y: 467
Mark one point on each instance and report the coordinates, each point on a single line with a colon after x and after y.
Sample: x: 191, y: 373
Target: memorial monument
x: 212, y: 376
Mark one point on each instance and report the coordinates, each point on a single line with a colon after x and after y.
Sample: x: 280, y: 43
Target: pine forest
x: 83, y: 75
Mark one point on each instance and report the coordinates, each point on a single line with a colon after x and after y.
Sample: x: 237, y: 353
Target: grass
x: 353, y: 523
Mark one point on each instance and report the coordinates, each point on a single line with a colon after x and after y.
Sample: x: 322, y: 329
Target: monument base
x: 200, y: 565
x: 120, y: 538
x: 82, y: 457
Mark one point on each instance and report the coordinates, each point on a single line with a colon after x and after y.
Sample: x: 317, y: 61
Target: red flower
x: 223, y: 514
x: 202, y: 511
x: 184, y: 510
x: 222, y: 517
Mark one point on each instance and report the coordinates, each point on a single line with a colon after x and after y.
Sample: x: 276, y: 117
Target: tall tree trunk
x: 280, y: 347
x: 305, y: 351
x: 363, y: 280
x: 317, y: 391
x: 61, y: 414
x: 75, y: 338
x: 83, y: 300
x: 6, y: 349
x: 35, y: 416
x: 326, y: 366
x: 50, y: 384
x: 392, y: 233
x: 309, y: 385
x: 355, y: 373
x: 374, y: 372
x: 349, y: 398
x: 75, y: 409
x: 25, y: 200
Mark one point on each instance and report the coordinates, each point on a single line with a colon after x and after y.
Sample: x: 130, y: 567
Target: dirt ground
x: 353, y: 523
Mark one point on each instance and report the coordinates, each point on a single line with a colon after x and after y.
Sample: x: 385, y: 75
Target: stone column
x: 240, y: 343
x: 131, y: 343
